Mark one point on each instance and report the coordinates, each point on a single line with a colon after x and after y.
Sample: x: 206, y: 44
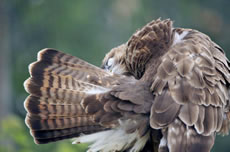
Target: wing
x: 149, y: 42
x: 191, y: 86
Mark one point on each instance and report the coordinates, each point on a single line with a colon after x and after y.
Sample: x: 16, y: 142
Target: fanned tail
x: 57, y: 85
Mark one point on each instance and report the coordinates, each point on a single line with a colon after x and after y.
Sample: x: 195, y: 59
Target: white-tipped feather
x: 30, y: 67
x: 40, y: 53
x: 25, y: 84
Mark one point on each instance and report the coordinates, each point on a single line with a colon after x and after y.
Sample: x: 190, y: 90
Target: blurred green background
x: 87, y: 29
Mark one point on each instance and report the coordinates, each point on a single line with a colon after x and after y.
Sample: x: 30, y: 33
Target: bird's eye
x: 109, y: 64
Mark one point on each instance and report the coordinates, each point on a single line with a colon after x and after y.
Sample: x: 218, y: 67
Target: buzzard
x: 166, y: 88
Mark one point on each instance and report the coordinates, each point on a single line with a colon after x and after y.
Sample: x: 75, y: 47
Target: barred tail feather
x: 43, y: 137
x: 58, y: 84
x: 54, y: 62
x: 49, y: 108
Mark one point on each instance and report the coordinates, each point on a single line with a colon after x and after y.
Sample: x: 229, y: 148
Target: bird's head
x: 132, y: 58
x: 114, y: 61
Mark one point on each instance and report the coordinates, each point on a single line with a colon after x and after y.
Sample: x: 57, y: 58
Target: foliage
x: 15, y: 136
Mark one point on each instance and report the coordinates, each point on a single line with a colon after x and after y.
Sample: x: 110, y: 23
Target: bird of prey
x: 166, y: 87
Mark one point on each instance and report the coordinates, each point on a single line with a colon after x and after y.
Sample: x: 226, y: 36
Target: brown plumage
x: 166, y: 89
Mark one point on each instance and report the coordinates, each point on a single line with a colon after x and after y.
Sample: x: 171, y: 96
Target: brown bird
x: 166, y: 88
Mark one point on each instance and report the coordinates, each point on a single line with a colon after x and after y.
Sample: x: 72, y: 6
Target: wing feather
x: 196, y: 76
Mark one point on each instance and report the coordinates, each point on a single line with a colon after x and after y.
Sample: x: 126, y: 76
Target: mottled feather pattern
x: 166, y: 88
x: 195, y: 73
